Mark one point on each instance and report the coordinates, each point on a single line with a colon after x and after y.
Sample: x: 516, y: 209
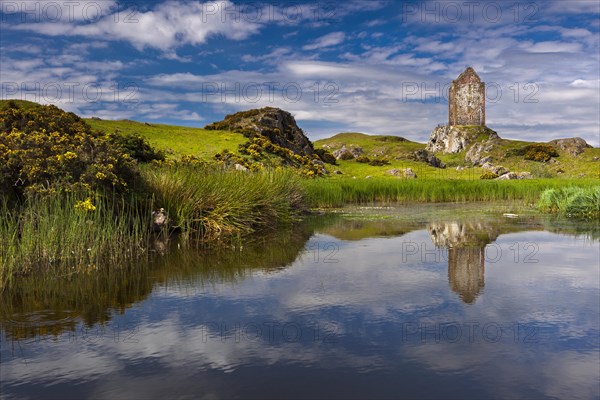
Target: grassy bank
x: 580, y: 202
x: 68, y: 232
x: 325, y: 193
x: 208, y: 202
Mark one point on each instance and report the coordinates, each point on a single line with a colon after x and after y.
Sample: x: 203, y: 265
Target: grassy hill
x: 399, y: 152
x: 175, y: 140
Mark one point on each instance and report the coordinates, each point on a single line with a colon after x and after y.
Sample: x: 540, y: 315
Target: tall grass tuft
x: 63, y: 233
x: 208, y: 202
x: 572, y: 201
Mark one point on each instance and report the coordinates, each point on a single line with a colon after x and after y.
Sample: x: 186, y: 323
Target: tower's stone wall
x: 466, y: 104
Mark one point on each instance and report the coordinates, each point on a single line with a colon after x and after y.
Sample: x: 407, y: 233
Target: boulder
x: 573, y: 146
x: 346, y: 153
x: 507, y: 176
x: 240, y: 167
x: 409, y: 173
x: 497, y: 169
x: 404, y: 173
x: 524, y: 175
x: 424, y: 156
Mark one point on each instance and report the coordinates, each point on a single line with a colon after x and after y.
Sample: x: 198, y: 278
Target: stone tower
x: 466, y: 105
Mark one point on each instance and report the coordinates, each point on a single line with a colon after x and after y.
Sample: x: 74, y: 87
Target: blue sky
x: 379, y: 67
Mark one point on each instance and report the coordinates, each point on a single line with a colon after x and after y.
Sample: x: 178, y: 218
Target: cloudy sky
x: 379, y: 67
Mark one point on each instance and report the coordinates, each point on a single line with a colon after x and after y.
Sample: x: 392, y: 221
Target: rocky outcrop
x: 507, y: 176
x: 496, y: 169
x: 573, y: 146
x: 456, y: 138
x: 402, y: 173
x: 425, y: 156
x: 277, y: 125
x: 346, y: 153
x: 478, y: 152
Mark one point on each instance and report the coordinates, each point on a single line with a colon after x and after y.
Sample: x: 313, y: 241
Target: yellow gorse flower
x: 86, y: 205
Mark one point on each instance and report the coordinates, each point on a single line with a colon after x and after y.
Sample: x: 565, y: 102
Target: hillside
x: 400, y: 154
x: 175, y: 140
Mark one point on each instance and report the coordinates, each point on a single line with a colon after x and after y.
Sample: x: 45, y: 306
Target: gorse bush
x: 535, y: 152
x: 378, y: 162
x: 136, y: 147
x: 326, y: 156
x: 488, y: 175
x: 44, y: 148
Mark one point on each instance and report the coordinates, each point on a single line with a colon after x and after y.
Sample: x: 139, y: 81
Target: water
x: 387, y: 303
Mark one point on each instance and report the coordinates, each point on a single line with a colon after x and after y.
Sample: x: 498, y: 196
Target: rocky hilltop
x: 277, y: 125
x: 456, y: 138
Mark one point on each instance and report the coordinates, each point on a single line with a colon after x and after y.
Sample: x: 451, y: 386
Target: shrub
x: 535, y: 152
x: 488, y: 175
x: 326, y: 156
x: 346, y: 155
x: 363, y: 159
x: 137, y: 147
x: 45, y: 148
x: 378, y: 162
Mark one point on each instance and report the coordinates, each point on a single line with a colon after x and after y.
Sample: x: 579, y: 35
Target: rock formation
x: 453, y: 138
x: 573, y: 146
x: 277, y: 125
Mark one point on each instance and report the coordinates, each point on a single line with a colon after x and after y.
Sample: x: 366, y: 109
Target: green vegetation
x: 46, y: 149
x: 327, y: 193
x: 64, y: 233
x: 208, y: 203
x: 75, y: 200
x: 579, y: 202
x: 535, y: 152
x: 174, y: 141
x: 508, y: 153
x: 488, y: 175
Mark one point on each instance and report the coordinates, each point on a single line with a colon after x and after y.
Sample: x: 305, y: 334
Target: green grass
x: 210, y: 202
x: 55, y: 234
x: 175, y: 140
x: 325, y: 193
x: 50, y: 234
x: 580, y: 202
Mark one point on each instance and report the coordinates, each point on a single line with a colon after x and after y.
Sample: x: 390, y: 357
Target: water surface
x: 388, y: 303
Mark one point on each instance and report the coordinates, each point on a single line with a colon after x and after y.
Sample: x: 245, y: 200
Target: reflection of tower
x: 466, y: 255
x: 466, y: 267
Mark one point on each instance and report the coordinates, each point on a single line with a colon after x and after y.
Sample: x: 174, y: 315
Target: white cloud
x: 331, y: 39
x: 167, y: 27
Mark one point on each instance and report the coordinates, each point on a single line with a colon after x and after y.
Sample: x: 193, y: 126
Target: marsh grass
x: 337, y: 193
x: 579, y: 202
x: 208, y: 202
x: 63, y: 233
